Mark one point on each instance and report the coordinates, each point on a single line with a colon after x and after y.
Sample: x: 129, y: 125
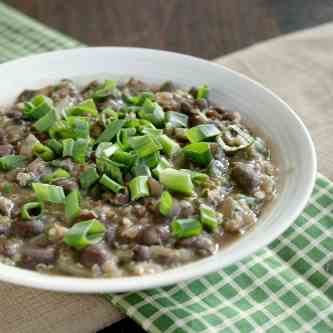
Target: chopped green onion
x: 176, y: 119
x: 170, y: 147
x: 123, y: 157
x: 56, y: 175
x: 151, y: 160
x: 45, y: 122
x: 144, y: 145
x: 166, y: 203
x: 202, y: 92
x: 111, y: 168
x: 228, y: 139
x: 72, y: 205
x: 202, y: 132
x: 76, y: 128
x: 50, y: 193
x: 87, y: 107
x: 80, y: 150
x: 31, y: 210
x: 43, y: 152
x: 151, y: 131
x: 198, y: 153
x: 10, y: 162
x: 55, y: 145
x: 68, y: 146
x: 106, y: 149
x: 104, y: 90
x: 208, y: 218
x: 199, y: 178
x: 153, y: 112
x: 138, y: 99
x: 185, y: 228
x: 38, y: 107
x: 88, y: 178
x: 108, y: 115
x: 139, y: 187
x: 162, y: 164
x: 111, y: 130
x: 141, y: 170
x: 123, y: 135
x: 110, y: 184
x: 176, y: 181
x: 85, y: 233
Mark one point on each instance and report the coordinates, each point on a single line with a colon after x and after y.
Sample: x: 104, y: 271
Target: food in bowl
x: 125, y: 179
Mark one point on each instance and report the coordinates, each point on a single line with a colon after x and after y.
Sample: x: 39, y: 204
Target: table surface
x: 206, y: 29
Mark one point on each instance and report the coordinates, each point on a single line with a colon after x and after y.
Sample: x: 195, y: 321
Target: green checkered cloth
x: 286, y: 287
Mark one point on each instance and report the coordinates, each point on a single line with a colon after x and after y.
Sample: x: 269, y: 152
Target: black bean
x: 141, y: 253
x: 86, y: 214
x: 186, y: 107
x: 15, y: 115
x: 119, y: 199
x: 187, y: 209
x: 245, y: 176
x: 34, y: 256
x: 93, y: 255
x: 167, y: 86
x: 6, y: 150
x: 30, y: 228
x: 26, y: 96
x: 155, y: 187
x: 153, y: 235
x: 232, y: 116
x: 201, y: 104
x: 193, y: 91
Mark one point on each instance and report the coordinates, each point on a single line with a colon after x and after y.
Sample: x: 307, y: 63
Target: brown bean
x: 199, y: 243
x: 168, y: 86
x: 26, y: 96
x: 93, y: 255
x: 67, y: 184
x: 155, y: 187
x: 4, y: 229
x: 110, y: 235
x: 245, y: 176
x: 86, y: 214
x: 232, y: 116
x: 27, y: 229
x: 34, y: 256
x: 141, y: 253
x: 153, y: 235
x: 6, y: 150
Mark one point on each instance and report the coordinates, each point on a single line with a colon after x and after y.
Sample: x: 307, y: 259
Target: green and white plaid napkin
x: 286, y: 287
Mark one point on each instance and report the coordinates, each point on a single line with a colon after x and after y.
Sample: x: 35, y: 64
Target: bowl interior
x: 292, y: 147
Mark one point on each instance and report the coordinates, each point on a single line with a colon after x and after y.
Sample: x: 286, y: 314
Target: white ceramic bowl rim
x: 51, y: 62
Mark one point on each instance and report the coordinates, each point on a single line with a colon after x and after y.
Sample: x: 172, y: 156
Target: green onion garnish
x: 208, y: 218
x: 72, y: 205
x: 56, y: 175
x: 141, y: 170
x: 144, y: 145
x: 85, y: 233
x: 80, y: 150
x: 105, y: 89
x: 162, y: 164
x: 10, y: 162
x: 85, y: 108
x: 202, y: 132
x: 198, y: 153
x: 43, y: 152
x: 176, y: 119
x: 67, y: 147
x: 31, y: 210
x: 110, y: 168
x: 110, y: 184
x: 50, y: 193
x: 229, y: 134
x: 170, y: 147
x: 125, y: 158
x: 151, y: 160
x: 184, y: 228
x: 176, y: 181
x: 55, y: 145
x: 138, y: 99
x: 45, y: 122
x: 88, y: 178
x: 198, y: 178
x: 111, y: 131
x: 139, y: 187
x: 152, y: 112
x: 37, y: 107
x: 106, y: 149
x: 202, y: 92
x: 76, y: 127
x: 166, y: 203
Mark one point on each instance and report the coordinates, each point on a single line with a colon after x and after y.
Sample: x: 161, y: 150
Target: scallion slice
x: 111, y: 131
x: 50, y: 193
x: 106, y: 149
x: 233, y: 138
x: 198, y: 153
x: 85, y: 233
x: 110, y: 184
x: 67, y: 147
x: 55, y: 145
x: 56, y: 175
x: 176, y: 181
x: 10, y: 162
x: 208, y: 217
x: 44, y: 123
x: 166, y: 203
x: 110, y: 168
x: 85, y: 108
x: 202, y: 132
x: 150, y: 161
x: 43, y: 152
x: 162, y: 164
x: 72, y: 205
x: 76, y: 128
x: 139, y: 187
x: 31, y: 210
x: 37, y: 107
x: 152, y: 112
x: 185, y: 228
x: 202, y: 92
x: 144, y: 145
x: 105, y: 89
x: 170, y: 147
x: 88, y: 178
x: 80, y: 150
x: 124, y: 158
x: 176, y: 119
x: 141, y: 170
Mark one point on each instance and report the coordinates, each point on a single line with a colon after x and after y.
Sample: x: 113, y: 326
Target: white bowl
x: 293, y: 149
